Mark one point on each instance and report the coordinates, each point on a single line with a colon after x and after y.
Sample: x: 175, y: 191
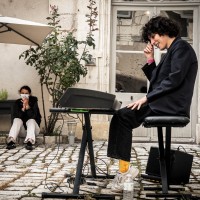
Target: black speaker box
x: 180, y: 167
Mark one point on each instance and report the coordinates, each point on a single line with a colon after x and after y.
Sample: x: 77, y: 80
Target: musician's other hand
x: 137, y: 104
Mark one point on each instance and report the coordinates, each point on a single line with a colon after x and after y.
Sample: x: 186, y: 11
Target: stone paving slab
x: 25, y: 175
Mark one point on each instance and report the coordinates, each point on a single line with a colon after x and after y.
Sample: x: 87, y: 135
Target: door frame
x: 149, y: 133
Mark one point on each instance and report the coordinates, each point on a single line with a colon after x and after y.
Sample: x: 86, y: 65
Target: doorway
x: 127, y: 79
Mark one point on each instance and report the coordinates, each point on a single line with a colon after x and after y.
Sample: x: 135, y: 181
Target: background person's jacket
x: 172, y: 80
x: 32, y: 113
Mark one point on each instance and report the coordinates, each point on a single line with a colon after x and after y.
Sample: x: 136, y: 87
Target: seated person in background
x: 26, y: 121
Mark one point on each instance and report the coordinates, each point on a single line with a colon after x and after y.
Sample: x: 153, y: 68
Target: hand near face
x: 25, y: 102
x: 149, y: 51
x: 25, y: 94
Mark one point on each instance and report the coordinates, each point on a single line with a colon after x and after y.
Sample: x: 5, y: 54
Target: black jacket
x: 32, y: 113
x: 172, y: 81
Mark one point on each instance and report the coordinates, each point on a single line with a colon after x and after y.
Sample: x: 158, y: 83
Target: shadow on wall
x: 130, y: 84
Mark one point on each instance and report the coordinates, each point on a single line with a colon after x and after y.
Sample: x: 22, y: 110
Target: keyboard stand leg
x: 90, y: 144
x: 77, y: 181
x: 84, y: 142
x: 86, y: 139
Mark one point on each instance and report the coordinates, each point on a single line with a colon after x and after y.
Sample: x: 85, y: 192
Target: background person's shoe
x: 11, y: 145
x: 29, y: 146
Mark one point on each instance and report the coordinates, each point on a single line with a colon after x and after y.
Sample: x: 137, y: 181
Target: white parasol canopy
x: 18, y: 31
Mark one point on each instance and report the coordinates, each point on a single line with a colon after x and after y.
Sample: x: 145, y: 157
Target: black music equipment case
x: 181, y: 164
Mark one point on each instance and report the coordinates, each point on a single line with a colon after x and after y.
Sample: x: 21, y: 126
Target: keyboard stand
x: 86, y: 140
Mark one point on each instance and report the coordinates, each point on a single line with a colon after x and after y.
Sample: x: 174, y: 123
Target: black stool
x: 164, y: 152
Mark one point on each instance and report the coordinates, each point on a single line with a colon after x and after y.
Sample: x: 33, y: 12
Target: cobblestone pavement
x: 24, y: 175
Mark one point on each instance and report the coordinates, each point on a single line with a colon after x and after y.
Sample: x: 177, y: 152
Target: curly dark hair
x: 161, y: 26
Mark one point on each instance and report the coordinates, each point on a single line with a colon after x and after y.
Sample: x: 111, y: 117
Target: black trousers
x: 120, y: 132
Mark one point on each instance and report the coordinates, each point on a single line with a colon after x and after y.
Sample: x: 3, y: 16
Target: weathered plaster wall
x: 15, y: 73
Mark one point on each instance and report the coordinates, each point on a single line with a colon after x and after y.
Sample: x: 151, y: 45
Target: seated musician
x: 170, y: 91
x: 26, y: 121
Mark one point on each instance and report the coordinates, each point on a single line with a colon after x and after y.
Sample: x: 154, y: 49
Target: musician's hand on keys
x: 137, y: 104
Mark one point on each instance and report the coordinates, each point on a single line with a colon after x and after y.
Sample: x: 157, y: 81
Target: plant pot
x: 54, y: 139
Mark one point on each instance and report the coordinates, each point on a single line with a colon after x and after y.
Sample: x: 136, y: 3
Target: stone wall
x: 15, y: 73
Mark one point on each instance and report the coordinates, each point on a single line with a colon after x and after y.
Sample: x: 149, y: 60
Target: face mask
x: 24, y: 96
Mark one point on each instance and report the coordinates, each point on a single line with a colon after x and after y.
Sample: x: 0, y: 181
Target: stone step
x: 41, y: 139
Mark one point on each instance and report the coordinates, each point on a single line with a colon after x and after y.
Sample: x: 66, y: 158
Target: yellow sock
x: 123, y: 166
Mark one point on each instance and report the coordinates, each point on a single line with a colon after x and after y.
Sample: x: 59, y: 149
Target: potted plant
x: 59, y: 62
x: 3, y: 94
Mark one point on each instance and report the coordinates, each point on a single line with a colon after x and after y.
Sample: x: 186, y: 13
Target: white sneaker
x: 118, y: 181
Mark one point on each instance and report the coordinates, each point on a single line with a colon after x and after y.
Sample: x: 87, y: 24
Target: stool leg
x: 168, y: 152
x: 163, y: 171
x: 160, y: 142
